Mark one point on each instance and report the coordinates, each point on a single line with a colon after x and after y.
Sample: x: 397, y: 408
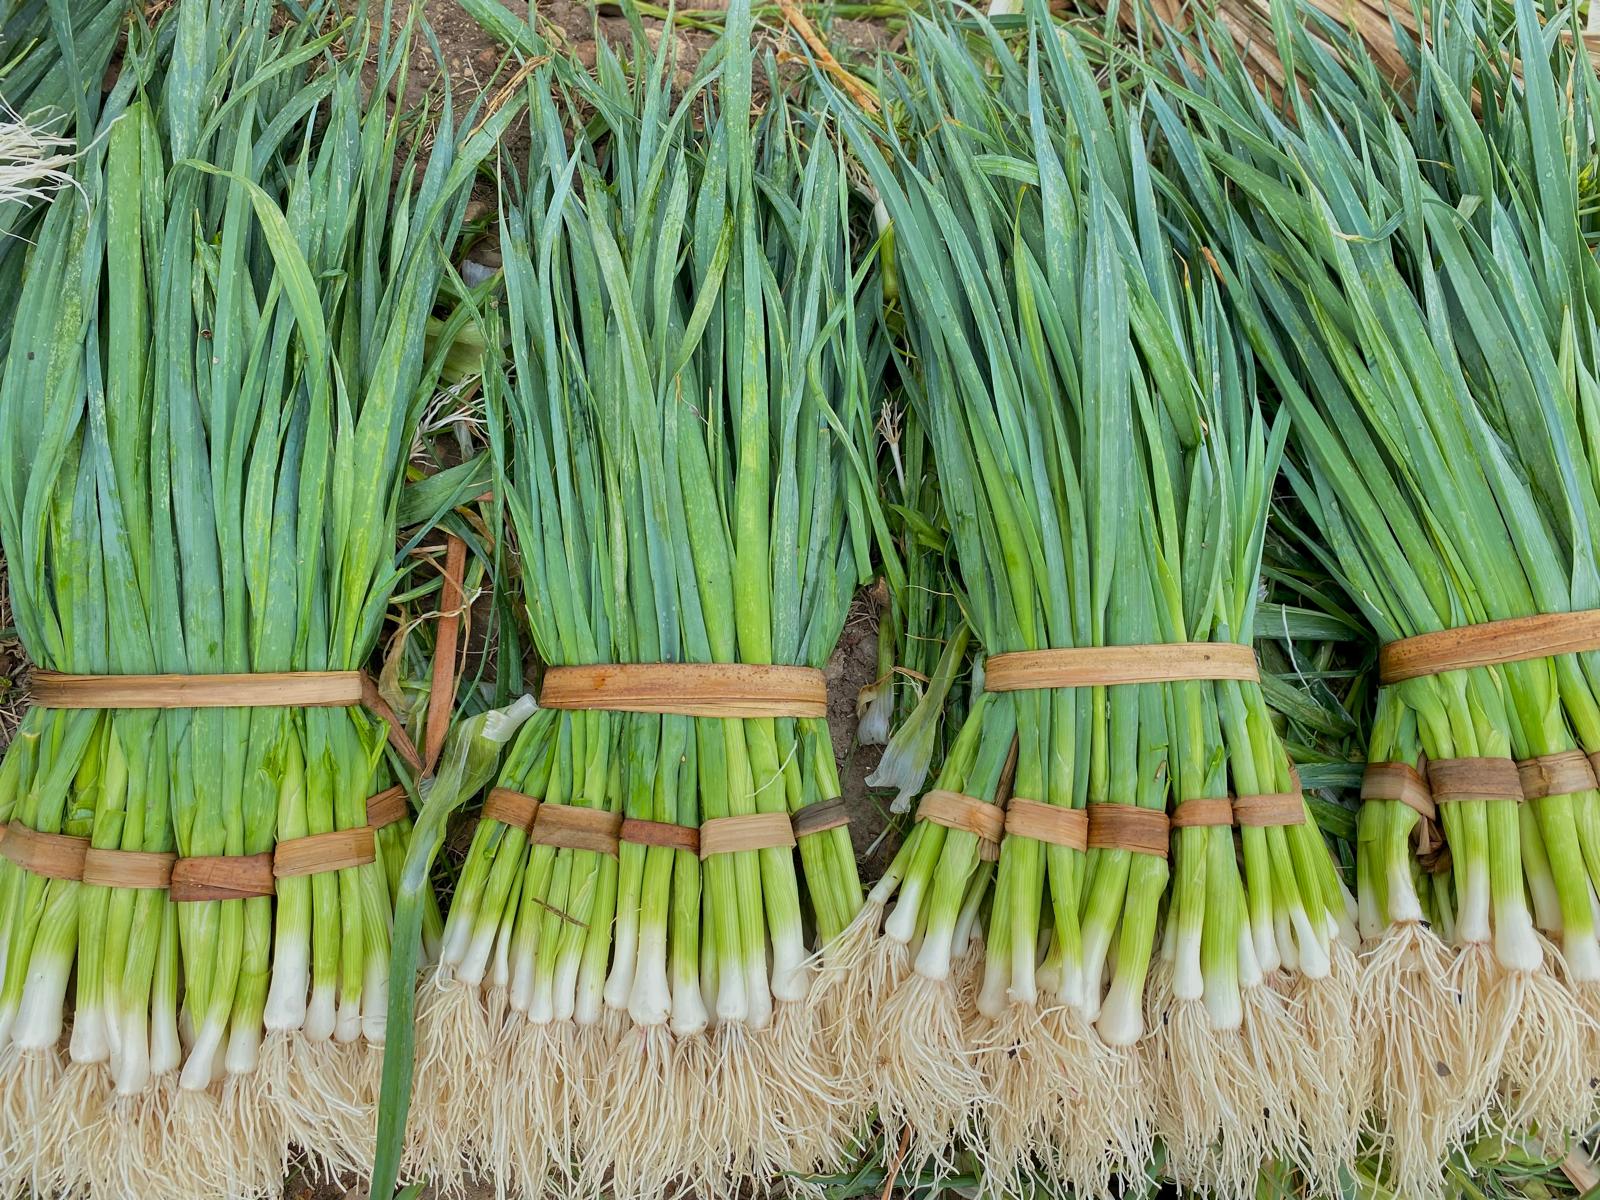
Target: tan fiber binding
x: 223, y: 877
x: 1203, y: 812
x: 754, y: 831
x: 954, y: 810
x: 568, y: 827
x: 372, y: 700
x: 332, y: 851
x: 1398, y: 781
x: 688, y: 689
x: 1054, y: 824
x: 1563, y: 774
x: 1404, y: 784
x: 516, y: 809
x: 638, y: 832
x: 52, y: 855
x: 1455, y: 779
x: 1488, y: 644
x: 286, y: 689
x: 387, y: 807
x: 820, y: 817
x: 1093, y: 666
x: 143, y: 869
x: 1128, y: 827
x: 446, y: 638
x: 1269, y: 810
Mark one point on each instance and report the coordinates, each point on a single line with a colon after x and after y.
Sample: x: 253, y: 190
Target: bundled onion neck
x: 1106, y: 475
x: 216, y: 325
x: 681, y: 320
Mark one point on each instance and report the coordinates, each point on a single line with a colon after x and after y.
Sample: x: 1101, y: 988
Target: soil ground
x: 13, y: 681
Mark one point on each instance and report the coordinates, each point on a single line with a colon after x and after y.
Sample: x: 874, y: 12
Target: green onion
x: 1106, y: 474
x: 680, y: 309
x: 218, y: 324
x: 1419, y: 279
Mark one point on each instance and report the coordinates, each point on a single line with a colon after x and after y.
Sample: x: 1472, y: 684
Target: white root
x: 325, y: 1100
x: 927, y: 1078
x: 527, y: 1141
x: 453, y: 1061
x: 1211, y: 1107
x: 1544, y: 1081
x: 851, y: 976
x: 636, y: 1093
x: 1419, y: 1013
x: 1334, y: 1099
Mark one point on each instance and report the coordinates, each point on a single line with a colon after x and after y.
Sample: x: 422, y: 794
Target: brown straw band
x: 516, y: 809
x: 820, y: 817
x: 1404, y: 784
x: 1095, y: 666
x: 638, y: 832
x: 280, y: 689
x: 1203, y: 812
x: 1488, y: 644
x: 446, y: 638
x: 955, y: 810
x: 387, y: 807
x: 1269, y: 810
x: 285, y: 689
x: 222, y: 877
x: 1457, y: 779
x: 144, y: 869
x: 1128, y: 827
x: 372, y: 700
x: 754, y: 831
x: 51, y: 855
x: 689, y: 689
x: 1398, y: 781
x: 1054, y: 824
x: 319, y: 852
x: 568, y: 827
x: 1563, y: 774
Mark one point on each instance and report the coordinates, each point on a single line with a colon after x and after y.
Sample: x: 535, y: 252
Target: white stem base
x: 91, y: 1039
x: 1582, y: 953
x: 347, y: 1024
x: 39, y: 1017
x: 291, y: 982
x: 200, y: 1068
x: 790, y: 979
x: 1121, y: 1018
x: 321, y: 1015
x: 244, y: 1049
x: 375, y: 1000
x: 1516, y: 944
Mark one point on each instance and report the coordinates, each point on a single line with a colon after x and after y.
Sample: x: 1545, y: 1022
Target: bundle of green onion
x: 1106, y: 474
x: 680, y: 306
x: 1418, y: 274
x: 205, y: 416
